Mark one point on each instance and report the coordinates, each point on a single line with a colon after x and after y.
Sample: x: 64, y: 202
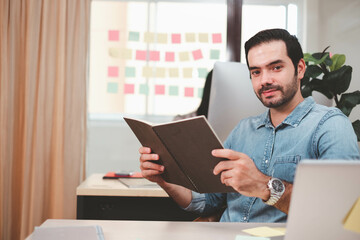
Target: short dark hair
x: 293, y: 47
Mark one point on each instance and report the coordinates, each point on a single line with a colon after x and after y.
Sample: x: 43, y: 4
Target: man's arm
x: 242, y: 174
x: 152, y: 171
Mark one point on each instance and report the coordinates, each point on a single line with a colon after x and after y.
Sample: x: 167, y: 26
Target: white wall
x: 336, y: 24
x: 111, y: 146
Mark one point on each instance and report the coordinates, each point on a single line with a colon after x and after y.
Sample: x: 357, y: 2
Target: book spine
x: 179, y: 165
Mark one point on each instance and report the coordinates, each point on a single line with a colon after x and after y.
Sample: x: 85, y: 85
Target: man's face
x: 273, y: 74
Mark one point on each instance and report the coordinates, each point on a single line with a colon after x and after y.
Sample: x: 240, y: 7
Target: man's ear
x: 301, y: 69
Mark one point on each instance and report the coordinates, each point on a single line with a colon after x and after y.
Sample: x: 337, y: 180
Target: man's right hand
x: 150, y: 170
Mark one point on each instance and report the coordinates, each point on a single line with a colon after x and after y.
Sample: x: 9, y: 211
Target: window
x: 152, y: 57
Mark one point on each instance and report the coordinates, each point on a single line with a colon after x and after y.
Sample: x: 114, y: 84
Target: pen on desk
x: 124, y: 174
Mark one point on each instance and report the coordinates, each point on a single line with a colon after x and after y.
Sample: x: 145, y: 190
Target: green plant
x: 328, y: 75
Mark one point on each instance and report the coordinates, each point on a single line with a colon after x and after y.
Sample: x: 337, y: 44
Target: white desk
x: 156, y: 230
x: 109, y: 199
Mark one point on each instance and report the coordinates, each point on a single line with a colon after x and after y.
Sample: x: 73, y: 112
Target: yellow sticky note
x: 190, y: 37
x: 149, y: 37
x: 203, y: 37
x: 160, y: 72
x: 173, y: 72
x: 184, y: 56
x: 147, y: 72
x: 162, y: 38
x: 264, y: 232
x: 125, y: 53
x: 187, y: 72
x: 352, y: 219
x: 114, y: 52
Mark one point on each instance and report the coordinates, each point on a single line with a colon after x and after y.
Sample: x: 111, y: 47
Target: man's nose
x: 266, y: 78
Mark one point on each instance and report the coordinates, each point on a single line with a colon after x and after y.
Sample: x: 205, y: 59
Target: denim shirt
x: 311, y: 131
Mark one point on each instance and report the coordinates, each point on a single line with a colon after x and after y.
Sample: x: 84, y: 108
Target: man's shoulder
x: 323, y: 113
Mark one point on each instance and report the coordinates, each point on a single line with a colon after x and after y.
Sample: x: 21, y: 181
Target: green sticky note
x: 200, y: 92
x: 173, y: 90
x: 214, y: 54
x: 129, y: 72
x: 134, y: 36
x: 112, y: 87
x: 144, y: 89
x: 202, y: 72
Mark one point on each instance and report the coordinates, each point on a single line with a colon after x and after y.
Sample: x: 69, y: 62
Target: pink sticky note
x: 159, y: 89
x: 169, y: 56
x: 140, y: 55
x: 113, y: 71
x: 176, y: 38
x: 129, y: 88
x: 216, y: 37
x: 197, y: 54
x: 154, y: 55
x: 113, y: 35
x: 189, y: 92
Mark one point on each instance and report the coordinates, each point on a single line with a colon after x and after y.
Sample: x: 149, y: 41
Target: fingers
x: 227, y: 153
x: 223, y: 166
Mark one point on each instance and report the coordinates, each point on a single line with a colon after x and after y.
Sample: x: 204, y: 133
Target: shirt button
x: 266, y: 161
x: 244, y: 218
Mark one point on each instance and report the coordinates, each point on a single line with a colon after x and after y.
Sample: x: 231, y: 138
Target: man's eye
x: 277, y: 67
x: 255, y: 73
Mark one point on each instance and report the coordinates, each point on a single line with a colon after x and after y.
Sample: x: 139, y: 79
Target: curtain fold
x: 43, y: 66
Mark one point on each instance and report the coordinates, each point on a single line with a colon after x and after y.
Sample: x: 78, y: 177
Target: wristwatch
x: 277, y: 188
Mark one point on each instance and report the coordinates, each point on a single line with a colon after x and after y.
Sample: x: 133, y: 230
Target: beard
x: 287, y: 94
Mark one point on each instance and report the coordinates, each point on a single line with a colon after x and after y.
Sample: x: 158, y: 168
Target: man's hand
x: 241, y: 174
x: 150, y: 170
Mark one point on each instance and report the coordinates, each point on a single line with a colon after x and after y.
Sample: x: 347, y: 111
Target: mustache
x: 269, y: 87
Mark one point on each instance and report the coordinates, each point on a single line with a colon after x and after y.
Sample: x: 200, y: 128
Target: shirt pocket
x: 285, y: 167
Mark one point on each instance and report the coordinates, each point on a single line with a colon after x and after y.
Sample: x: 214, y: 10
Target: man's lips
x: 268, y: 92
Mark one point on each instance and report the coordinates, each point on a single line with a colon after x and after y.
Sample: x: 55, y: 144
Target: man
x: 263, y: 151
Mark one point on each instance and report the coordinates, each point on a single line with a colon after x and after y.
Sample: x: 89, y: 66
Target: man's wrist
x: 265, y: 192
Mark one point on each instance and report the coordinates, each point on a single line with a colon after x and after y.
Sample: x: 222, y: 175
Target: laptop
x: 323, y: 194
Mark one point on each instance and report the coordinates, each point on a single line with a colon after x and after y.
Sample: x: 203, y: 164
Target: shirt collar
x: 293, y: 119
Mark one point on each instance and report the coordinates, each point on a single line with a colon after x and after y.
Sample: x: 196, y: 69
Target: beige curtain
x: 43, y: 47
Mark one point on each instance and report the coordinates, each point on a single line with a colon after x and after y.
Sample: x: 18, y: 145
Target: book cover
x: 184, y: 148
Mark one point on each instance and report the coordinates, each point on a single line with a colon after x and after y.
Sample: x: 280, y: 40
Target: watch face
x: 277, y: 185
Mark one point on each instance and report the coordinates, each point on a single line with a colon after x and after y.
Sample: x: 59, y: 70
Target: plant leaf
x: 338, y: 61
x: 348, y: 101
x: 339, y: 80
x: 356, y: 126
x: 316, y: 85
x: 315, y: 58
x: 324, y: 57
x: 313, y: 71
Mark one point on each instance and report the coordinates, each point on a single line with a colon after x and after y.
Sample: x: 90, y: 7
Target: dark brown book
x: 184, y: 148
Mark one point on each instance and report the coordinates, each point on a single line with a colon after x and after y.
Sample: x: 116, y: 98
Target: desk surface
x: 153, y: 230
x: 96, y: 186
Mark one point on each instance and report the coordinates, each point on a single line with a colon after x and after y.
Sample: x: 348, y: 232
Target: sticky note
x: 202, y: 72
x: 216, y: 37
x: 241, y: 237
x: 123, y: 53
x: 203, y: 37
x: 112, y: 87
x: 144, y: 89
x: 214, y: 54
x: 159, y: 89
x: 129, y: 88
x: 169, y: 56
x: 197, y: 54
x: 113, y: 71
x: 184, y: 56
x: 189, y: 92
x: 154, y: 55
x: 129, y: 72
x: 160, y: 72
x: 161, y: 38
x: 187, y: 72
x: 147, y: 72
x: 176, y: 38
x: 173, y: 72
x: 113, y: 35
x: 264, y: 232
x: 173, y: 90
x: 352, y: 219
x: 200, y: 92
x: 190, y: 37
x: 140, y: 55
x: 149, y: 37
x: 134, y: 36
